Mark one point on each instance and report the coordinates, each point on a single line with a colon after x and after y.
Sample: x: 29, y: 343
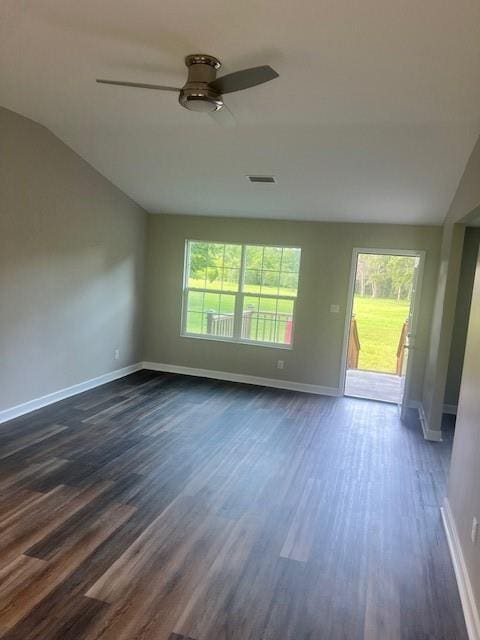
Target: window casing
x: 241, y: 293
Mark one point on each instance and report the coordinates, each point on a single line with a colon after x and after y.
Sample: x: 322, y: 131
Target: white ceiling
x: 373, y: 118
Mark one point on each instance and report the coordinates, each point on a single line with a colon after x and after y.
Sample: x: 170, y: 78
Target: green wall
x: 324, y: 279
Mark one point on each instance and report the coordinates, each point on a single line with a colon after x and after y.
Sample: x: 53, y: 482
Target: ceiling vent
x: 263, y: 179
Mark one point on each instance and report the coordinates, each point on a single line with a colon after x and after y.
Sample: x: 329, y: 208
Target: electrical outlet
x: 280, y: 364
x: 334, y: 308
x: 116, y: 354
x: 474, y: 533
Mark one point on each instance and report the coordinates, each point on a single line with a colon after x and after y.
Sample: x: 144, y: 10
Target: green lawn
x: 250, y: 288
x: 379, y: 323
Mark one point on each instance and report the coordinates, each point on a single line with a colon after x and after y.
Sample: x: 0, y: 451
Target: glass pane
x: 195, y: 301
x: 194, y: 322
x: 291, y: 260
x: 214, y: 278
x: 272, y: 258
x: 233, y: 256
x: 219, y: 314
x: 267, y: 320
x: 249, y: 318
x: 285, y: 307
x: 253, y: 281
x: 209, y: 262
x: 227, y: 304
x: 254, y: 257
x: 195, y: 315
x: 288, y: 284
x: 270, y: 282
x: 230, y: 279
x: 272, y: 270
x: 215, y: 254
x: 197, y: 261
x: 268, y: 305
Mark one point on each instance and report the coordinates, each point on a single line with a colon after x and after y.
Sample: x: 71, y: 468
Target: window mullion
x: 243, y: 266
x: 238, y: 318
x: 186, y: 282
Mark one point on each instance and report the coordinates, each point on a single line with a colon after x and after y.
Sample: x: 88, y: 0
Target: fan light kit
x: 203, y: 91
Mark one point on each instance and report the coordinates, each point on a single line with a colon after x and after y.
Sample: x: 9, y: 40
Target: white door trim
x: 351, y: 289
x: 417, y: 296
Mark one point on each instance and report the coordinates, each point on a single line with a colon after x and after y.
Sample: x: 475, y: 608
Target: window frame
x: 239, y: 295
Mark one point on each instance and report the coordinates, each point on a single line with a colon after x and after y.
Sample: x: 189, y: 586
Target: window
x: 244, y: 293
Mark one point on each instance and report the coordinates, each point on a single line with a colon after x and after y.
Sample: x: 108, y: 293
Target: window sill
x: 253, y: 343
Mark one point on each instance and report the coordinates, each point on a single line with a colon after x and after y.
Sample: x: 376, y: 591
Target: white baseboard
x: 67, y: 392
x: 470, y: 611
x: 246, y: 379
x: 450, y: 409
x: 429, y: 434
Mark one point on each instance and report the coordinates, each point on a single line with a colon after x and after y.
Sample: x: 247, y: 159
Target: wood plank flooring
x: 163, y: 507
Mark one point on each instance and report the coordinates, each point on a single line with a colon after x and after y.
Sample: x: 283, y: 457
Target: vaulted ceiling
x: 373, y: 117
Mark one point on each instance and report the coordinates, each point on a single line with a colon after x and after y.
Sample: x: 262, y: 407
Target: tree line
x: 382, y: 276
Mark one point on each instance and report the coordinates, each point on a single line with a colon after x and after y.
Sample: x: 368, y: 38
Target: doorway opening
x: 468, y: 266
x: 381, y: 324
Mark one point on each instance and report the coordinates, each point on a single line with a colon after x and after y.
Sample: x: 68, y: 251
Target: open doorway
x: 471, y: 246
x: 381, y: 329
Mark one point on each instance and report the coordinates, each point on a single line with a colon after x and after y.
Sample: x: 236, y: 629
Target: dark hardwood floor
x: 162, y: 507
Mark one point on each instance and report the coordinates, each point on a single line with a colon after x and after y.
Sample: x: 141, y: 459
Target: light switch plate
x: 334, y: 308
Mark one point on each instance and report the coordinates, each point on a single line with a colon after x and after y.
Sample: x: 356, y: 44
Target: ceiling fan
x: 203, y: 91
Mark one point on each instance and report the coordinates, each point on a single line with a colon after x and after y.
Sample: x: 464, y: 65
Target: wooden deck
x: 371, y: 385
x: 164, y: 507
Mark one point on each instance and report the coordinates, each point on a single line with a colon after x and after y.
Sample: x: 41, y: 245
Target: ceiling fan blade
x: 223, y: 117
x: 138, y: 85
x: 243, y: 79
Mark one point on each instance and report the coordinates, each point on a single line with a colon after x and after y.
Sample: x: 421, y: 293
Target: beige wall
x: 462, y: 312
x: 463, y: 490
x: 464, y: 480
x: 466, y: 199
x: 442, y: 326
x: 71, y: 266
x: 324, y: 279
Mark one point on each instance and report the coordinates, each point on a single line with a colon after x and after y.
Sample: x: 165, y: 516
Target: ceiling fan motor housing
x: 196, y: 95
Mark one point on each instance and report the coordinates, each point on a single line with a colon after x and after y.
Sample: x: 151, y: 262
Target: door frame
x: 414, y: 253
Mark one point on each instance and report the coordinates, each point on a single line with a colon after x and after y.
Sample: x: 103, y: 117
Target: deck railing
x: 354, y: 347
x: 220, y: 324
x: 401, y: 348
x: 260, y: 326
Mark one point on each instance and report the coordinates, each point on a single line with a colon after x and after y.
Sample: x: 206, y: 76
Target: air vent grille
x: 262, y: 179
